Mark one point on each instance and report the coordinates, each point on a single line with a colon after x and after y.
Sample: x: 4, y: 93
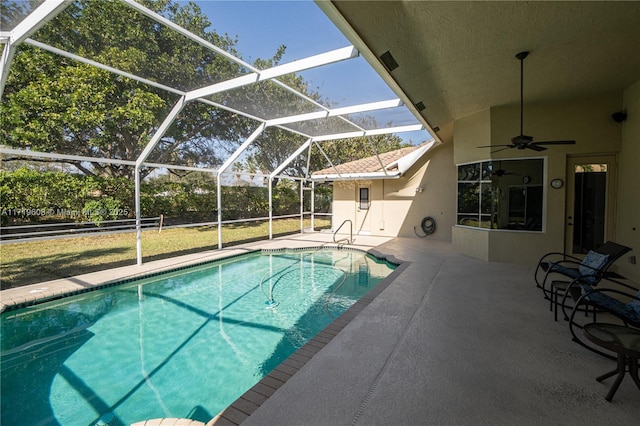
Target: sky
x: 261, y: 26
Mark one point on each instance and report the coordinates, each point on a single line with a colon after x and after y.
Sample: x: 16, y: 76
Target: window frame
x: 364, y: 202
x: 483, y: 220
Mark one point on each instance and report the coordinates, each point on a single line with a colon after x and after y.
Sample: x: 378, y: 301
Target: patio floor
x: 452, y: 340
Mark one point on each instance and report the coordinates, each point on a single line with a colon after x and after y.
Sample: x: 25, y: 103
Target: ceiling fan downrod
x: 521, y: 56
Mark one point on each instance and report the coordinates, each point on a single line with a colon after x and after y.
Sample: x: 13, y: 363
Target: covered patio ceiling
x: 309, y: 119
x: 458, y: 58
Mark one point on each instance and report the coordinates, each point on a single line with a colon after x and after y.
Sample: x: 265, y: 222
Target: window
x: 364, y: 198
x: 501, y: 194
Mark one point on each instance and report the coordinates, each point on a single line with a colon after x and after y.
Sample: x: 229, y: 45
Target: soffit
x: 458, y: 58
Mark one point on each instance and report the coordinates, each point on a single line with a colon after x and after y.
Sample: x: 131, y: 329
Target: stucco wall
x: 628, y: 218
x: 437, y: 175
x: 471, y: 242
x: 396, y: 207
x: 470, y: 133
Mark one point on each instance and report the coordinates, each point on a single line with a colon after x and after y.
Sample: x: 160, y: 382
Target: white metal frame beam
x: 373, y: 106
x: 277, y: 71
x: 374, y: 132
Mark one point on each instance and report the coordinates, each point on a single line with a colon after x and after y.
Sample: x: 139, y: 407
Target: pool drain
x: 271, y: 304
x: 105, y: 419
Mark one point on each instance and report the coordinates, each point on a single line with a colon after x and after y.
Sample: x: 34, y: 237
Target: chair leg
x: 633, y: 371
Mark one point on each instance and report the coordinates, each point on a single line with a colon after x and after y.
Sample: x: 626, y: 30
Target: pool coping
x: 44, y: 297
x: 32, y: 294
x: 258, y: 394
x: 43, y: 294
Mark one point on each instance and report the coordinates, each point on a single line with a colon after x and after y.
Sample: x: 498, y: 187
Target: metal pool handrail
x: 348, y: 240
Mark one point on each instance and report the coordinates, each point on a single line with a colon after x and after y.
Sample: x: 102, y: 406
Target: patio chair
x: 589, y: 270
x: 622, y: 303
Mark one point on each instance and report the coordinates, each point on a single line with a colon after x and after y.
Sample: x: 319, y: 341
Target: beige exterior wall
x: 471, y: 242
x: 586, y: 121
x: 628, y: 217
x: 470, y: 133
x: 396, y: 207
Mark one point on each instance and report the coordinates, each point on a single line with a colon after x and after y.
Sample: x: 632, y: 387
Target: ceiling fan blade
x: 555, y: 143
x: 502, y: 149
x: 535, y: 147
x: 493, y: 146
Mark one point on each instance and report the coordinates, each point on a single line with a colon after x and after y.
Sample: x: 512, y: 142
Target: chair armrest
x: 564, y: 256
x: 613, y: 291
x: 568, y: 263
x: 620, y: 283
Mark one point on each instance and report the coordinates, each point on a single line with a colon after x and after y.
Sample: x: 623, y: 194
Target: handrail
x: 349, y: 240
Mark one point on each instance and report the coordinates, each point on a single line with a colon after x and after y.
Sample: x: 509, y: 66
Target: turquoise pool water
x: 183, y: 344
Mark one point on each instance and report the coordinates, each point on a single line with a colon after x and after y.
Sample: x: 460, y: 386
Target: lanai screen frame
x: 49, y: 9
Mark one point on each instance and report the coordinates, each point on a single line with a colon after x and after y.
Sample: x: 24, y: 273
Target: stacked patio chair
x: 621, y: 302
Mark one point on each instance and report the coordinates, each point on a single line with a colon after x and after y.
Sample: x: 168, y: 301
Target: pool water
x: 182, y: 344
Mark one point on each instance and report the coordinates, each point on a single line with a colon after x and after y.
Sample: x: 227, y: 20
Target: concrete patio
x: 451, y: 340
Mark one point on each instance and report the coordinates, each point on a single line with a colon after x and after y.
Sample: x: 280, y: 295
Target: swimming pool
x: 182, y: 344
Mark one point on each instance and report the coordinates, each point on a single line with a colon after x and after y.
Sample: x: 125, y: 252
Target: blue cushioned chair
x: 589, y: 270
x: 621, y: 302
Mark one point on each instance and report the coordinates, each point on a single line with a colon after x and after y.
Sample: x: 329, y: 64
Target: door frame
x: 611, y: 160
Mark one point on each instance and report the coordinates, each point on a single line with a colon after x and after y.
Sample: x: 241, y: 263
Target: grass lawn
x: 38, y: 261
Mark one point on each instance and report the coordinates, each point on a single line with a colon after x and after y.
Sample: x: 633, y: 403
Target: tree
x: 55, y: 104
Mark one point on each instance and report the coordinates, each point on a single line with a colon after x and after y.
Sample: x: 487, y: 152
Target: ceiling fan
x: 523, y: 141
